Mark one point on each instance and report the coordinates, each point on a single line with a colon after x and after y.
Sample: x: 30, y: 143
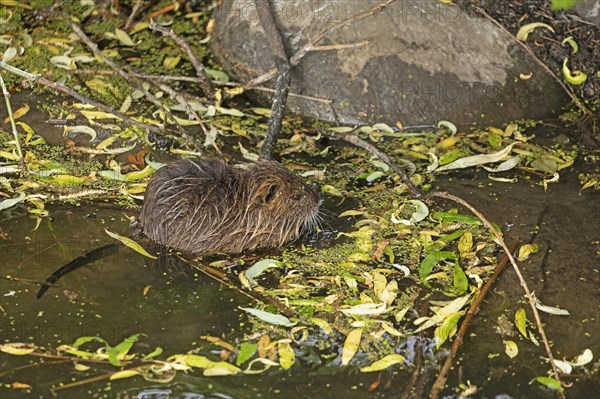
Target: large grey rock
x: 424, y: 62
x: 588, y: 10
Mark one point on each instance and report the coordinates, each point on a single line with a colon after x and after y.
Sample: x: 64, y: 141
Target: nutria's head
x: 283, y: 205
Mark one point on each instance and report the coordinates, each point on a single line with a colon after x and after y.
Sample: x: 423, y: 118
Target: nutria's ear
x: 273, y: 190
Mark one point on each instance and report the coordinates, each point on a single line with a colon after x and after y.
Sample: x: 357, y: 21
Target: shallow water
x: 107, y: 299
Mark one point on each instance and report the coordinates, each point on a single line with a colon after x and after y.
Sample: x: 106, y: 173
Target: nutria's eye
x: 297, y: 197
x: 271, y: 194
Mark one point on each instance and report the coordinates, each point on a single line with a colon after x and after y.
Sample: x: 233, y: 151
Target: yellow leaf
x: 123, y: 374
x: 351, y: 345
x: 465, y: 243
x: 124, y: 38
x: 17, y: 348
x: 130, y: 243
x: 171, y: 62
x: 287, y: 357
x: 511, y: 348
x: 67, y: 179
x: 525, y: 30
x: 526, y: 250
x: 384, y: 363
x: 18, y: 113
x: 521, y: 321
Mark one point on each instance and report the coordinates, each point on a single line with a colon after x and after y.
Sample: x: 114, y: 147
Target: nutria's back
x: 207, y: 207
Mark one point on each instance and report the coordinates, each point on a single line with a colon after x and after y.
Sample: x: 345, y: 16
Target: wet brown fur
x: 208, y: 207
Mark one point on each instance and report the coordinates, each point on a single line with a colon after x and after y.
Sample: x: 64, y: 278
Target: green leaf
x: 550, y: 382
x: 433, y: 259
x: 575, y: 78
x: 384, y: 363
x: 476, y: 160
x: 521, y: 321
x: 130, y: 243
x: 461, y: 283
x: 526, y: 250
x: 247, y: 349
x: 271, y: 318
x: 84, y: 340
x: 562, y: 4
x: 217, y: 75
x: 154, y: 353
x: 447, y: 328
x: 571, y: 42
x: 118, y: 353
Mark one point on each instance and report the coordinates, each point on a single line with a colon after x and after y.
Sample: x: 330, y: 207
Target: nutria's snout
x: 208, y: 207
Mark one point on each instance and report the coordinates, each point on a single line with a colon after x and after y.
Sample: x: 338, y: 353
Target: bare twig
x: 134, y: 12
x: 284, y: 75
x: 517, y: 270
x: 195, y: 80
x: 64, y: 89
x: 204, y: 81
x: 440, y: 381
x: 11, y: 118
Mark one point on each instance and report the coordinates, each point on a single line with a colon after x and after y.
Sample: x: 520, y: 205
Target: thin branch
x: 440, y: 381
x: 284, y: 75
x: 134, y: 12
x: 200, y: 72
x: 64, y: 89
x: 196, y: 80
x: 12, y: 119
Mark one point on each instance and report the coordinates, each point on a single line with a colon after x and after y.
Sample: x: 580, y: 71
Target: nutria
x: 208, y: 207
